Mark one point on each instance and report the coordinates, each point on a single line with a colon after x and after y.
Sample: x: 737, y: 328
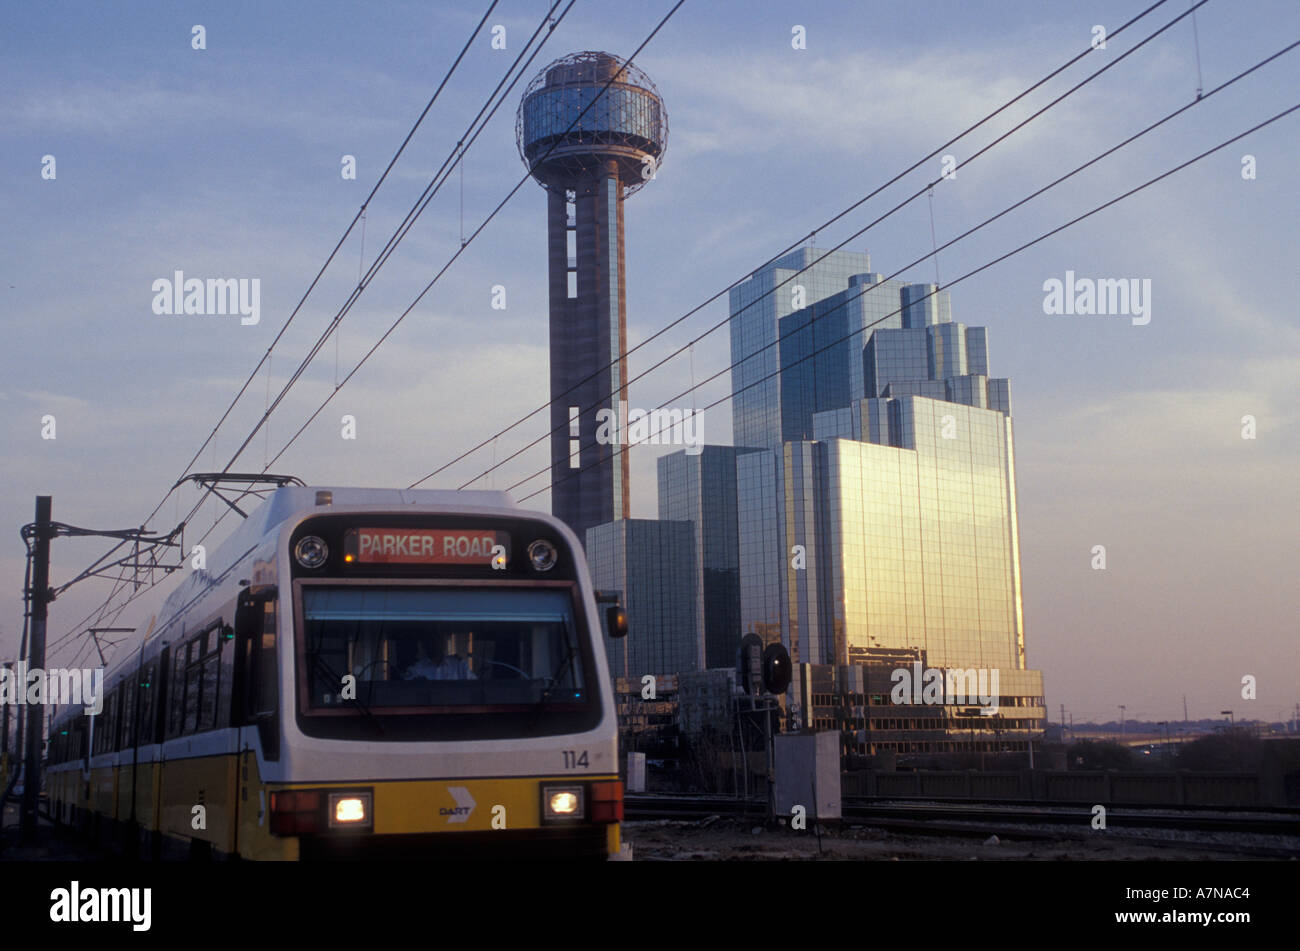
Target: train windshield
x: 419, y: 647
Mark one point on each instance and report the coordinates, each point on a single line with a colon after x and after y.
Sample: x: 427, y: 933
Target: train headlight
x: 542, y: 555
x: 311, y: 551
x: 350, y: 810
x: 561, y: 803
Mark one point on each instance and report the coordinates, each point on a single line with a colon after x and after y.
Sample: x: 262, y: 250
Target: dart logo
x: 464, y: 805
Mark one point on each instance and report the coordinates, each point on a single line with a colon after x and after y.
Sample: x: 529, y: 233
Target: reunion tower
x: 612, y: 149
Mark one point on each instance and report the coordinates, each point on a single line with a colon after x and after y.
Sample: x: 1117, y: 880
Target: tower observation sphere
x: 628, y: 125
x: 592, y: 130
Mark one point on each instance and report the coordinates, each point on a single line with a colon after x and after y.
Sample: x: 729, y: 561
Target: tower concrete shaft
x: 592, y: 130
x: 588, y: 305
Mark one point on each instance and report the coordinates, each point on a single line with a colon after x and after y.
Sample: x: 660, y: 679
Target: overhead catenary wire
x: 831, y: 221
x: 486, y: 221
x: 360, y: 215
x: 1196, y: 45
x: 394, y: 240
x: 861, y: 231
x: 552, y: 23
x: 477, y: 231
x: 968, y: 274
x: 807, y: 237
x: 328, y: 260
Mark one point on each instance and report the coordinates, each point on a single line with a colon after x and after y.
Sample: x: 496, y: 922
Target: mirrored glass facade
x: 702, y: 489
x: 650, y: 564
x: 895, y: 523
x: 757, y: 307
x: 761, y: 546
x: 919, y: 542
x: 821, y: 349
x: 621, y: 111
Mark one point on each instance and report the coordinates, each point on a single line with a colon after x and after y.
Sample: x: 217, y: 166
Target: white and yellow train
x: 360, y: 673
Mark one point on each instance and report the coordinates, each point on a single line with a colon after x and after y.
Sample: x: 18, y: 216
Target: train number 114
x: 572, y: 759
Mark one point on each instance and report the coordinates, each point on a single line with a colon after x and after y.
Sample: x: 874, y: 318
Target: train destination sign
x: 425, y: 546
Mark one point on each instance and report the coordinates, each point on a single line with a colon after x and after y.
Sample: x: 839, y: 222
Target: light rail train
x: 360, y: 673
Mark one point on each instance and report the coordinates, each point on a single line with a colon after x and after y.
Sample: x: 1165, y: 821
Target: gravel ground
x: 736, y: 840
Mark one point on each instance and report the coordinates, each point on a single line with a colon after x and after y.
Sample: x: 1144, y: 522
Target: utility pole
x: 38, y: 599
x: 1062, y: 723
x: 1122, y: 710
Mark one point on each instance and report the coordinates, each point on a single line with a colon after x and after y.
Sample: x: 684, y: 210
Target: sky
x: 227, y: 162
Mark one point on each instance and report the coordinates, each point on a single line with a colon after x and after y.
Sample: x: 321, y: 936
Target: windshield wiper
x: 553, y: 681
x: 360, y: 704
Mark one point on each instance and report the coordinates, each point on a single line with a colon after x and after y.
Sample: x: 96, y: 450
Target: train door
x: 255, y: 709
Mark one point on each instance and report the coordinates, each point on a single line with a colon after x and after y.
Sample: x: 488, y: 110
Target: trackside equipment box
x: 636, y: 772
x: 807, y: 767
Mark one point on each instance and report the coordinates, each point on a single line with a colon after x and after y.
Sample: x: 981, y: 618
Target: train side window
x: 211, y: 682
x: 129, y: 691
x: 193, y: 685
x: 176, y: 692
x: 144, y: 705
x: 105, y: 721
x: 114, y: 721
x: 225, y: 671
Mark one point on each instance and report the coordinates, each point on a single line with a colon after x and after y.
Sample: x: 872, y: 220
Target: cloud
x: 837, y: 104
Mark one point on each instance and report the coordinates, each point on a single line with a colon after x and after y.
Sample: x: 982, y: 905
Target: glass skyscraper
x: 821, y: 349
x: 760, y: 546
x: 882, y: 515
x: 701, y: 488
x: 757, y: 307
x: 919, y: 538
x: 650, y: 564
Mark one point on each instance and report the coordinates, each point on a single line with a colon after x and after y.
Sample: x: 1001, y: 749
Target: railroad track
x: 1027, y: 823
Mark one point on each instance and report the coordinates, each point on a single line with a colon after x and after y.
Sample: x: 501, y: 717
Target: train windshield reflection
x: 420, y: 647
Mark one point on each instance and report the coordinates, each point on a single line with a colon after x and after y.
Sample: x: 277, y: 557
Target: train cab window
x: 410, y: 647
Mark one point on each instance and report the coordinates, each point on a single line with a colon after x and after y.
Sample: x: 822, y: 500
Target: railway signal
x: 764, y: 673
